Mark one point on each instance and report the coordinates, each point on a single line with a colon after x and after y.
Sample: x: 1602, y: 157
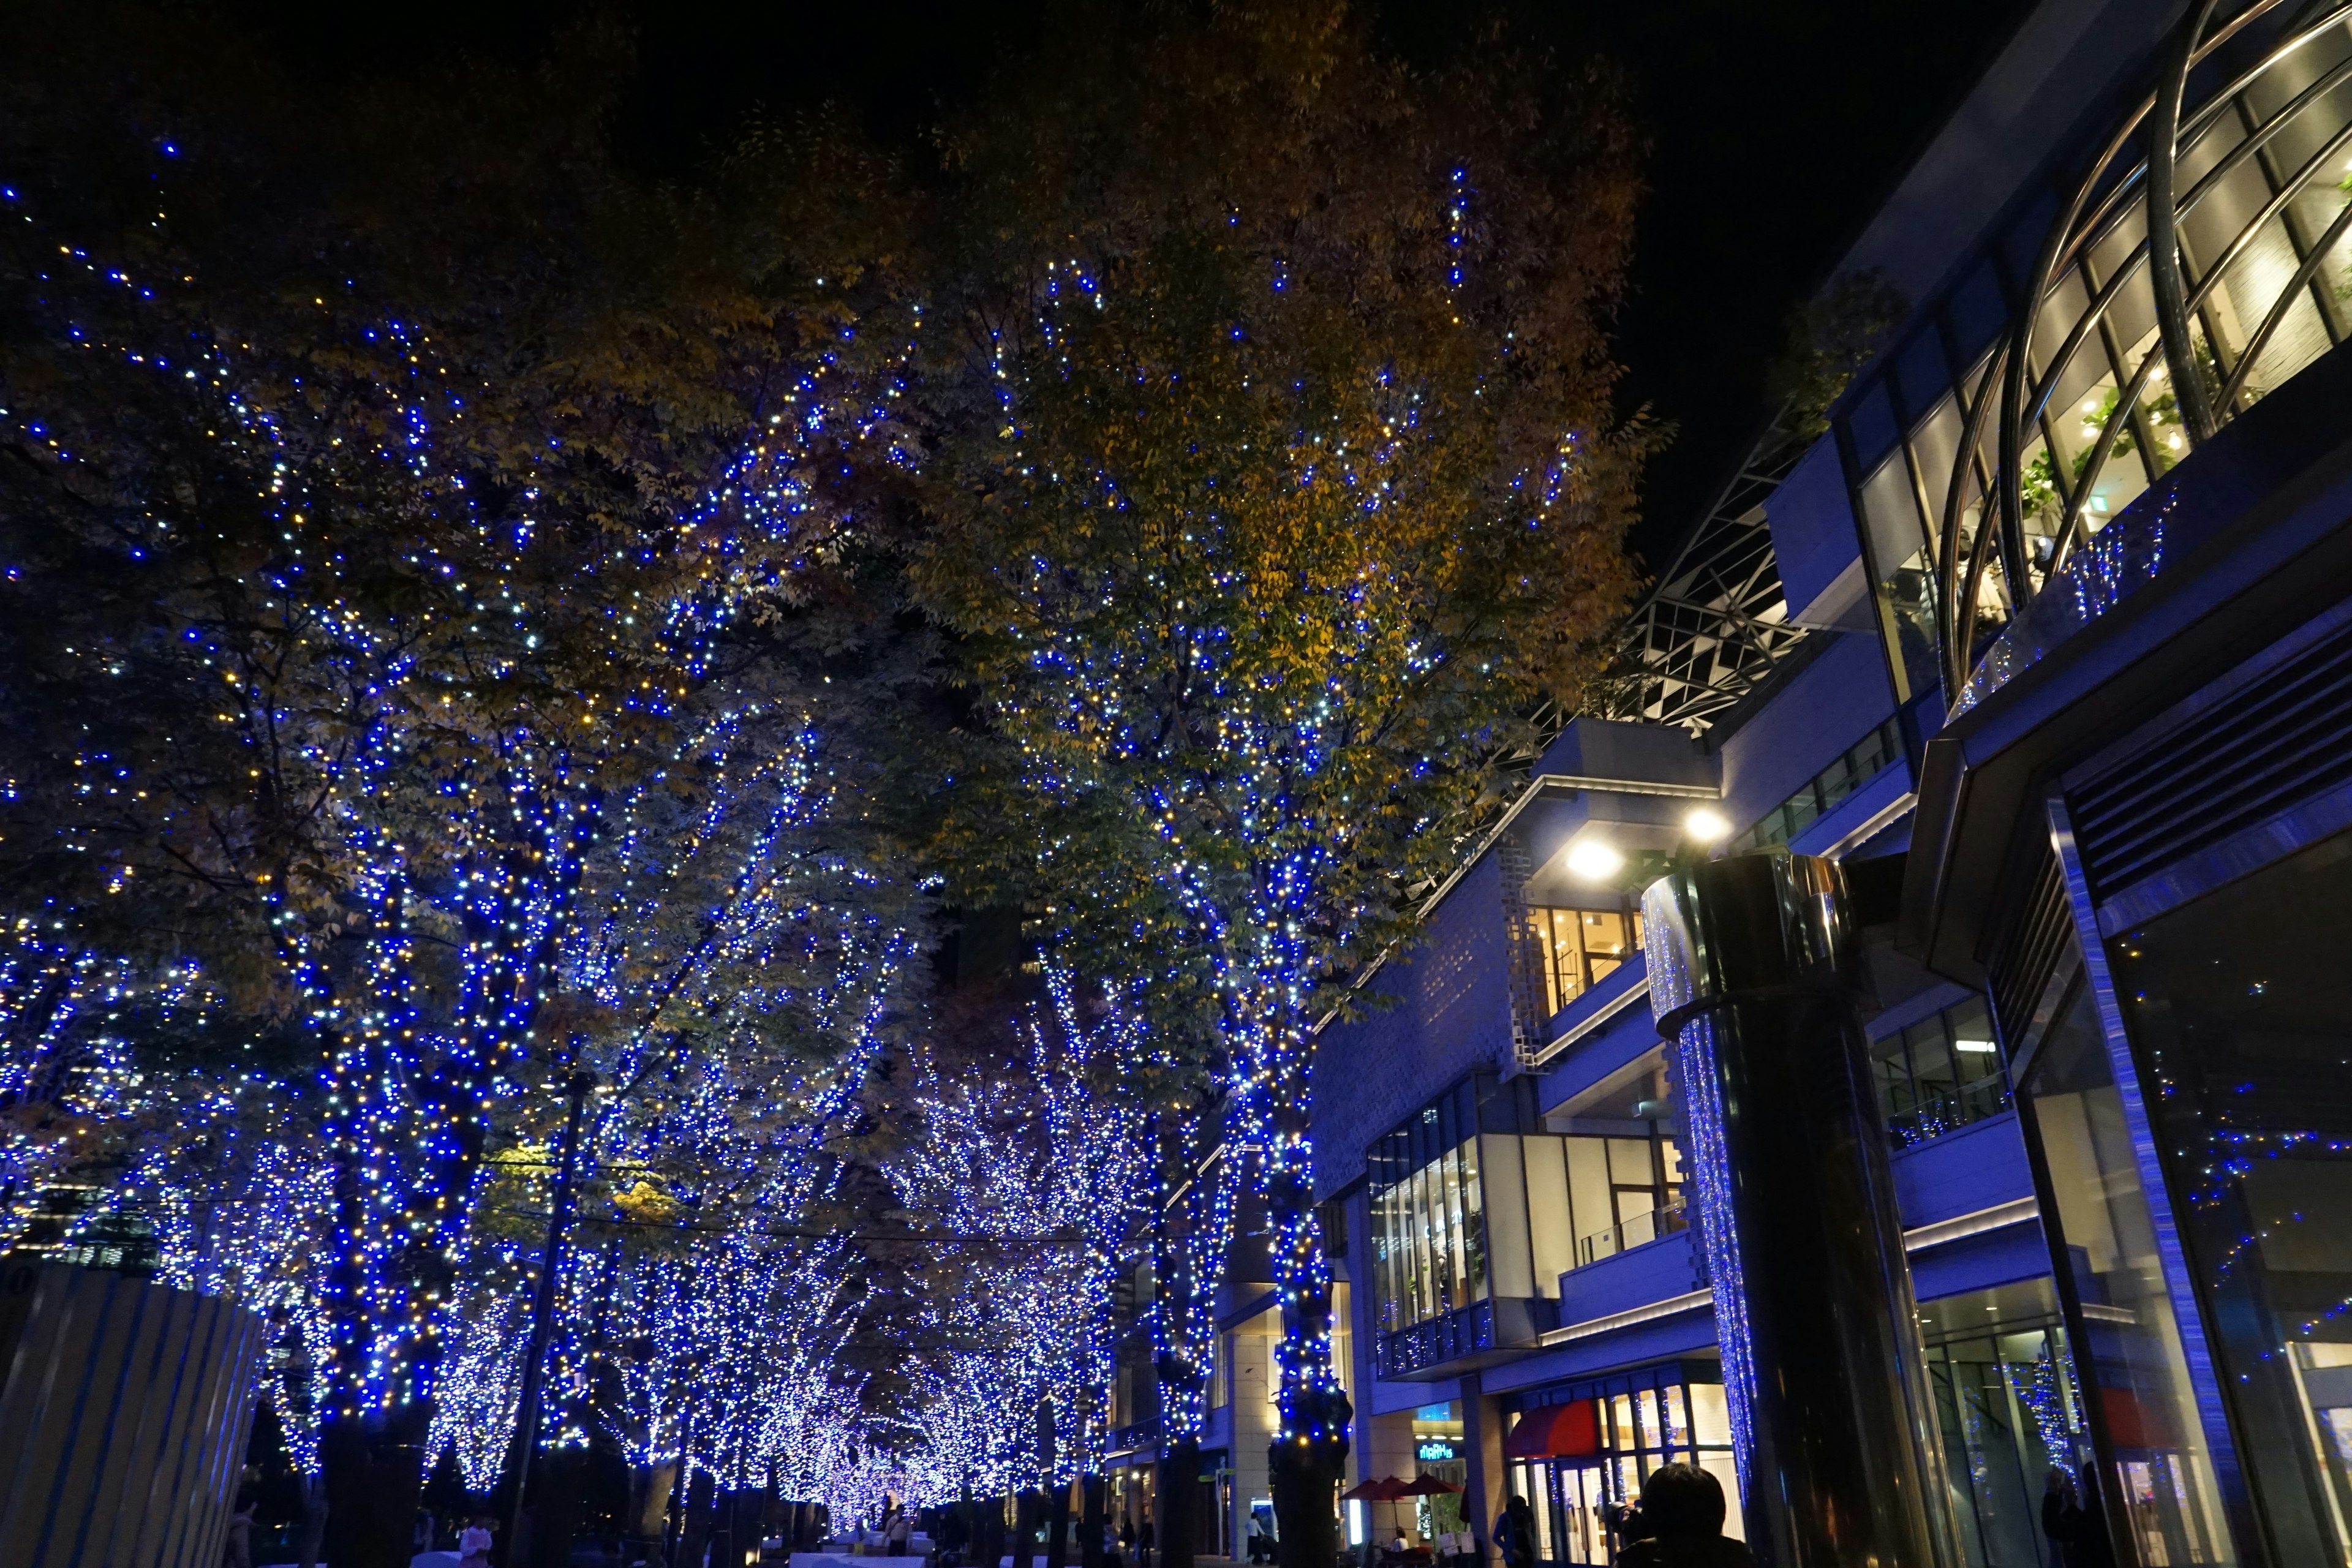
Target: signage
x: 1430, y: 1449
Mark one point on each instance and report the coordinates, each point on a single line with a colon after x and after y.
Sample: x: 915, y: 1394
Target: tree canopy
x: 478, y: 613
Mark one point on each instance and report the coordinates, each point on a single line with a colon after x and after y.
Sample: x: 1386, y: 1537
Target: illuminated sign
x: 1434, y: 1449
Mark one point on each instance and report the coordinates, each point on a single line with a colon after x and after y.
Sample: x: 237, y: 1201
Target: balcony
x: 1479, y: 1334
x: 1638, y: 1231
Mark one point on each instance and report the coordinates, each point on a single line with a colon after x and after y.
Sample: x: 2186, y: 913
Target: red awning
x: 1570, y: 1431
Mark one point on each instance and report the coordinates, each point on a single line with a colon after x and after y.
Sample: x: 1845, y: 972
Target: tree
x: 1278, y: 477
x: 356, y: 593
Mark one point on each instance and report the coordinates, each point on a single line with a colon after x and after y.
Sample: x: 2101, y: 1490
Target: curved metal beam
x: 2164, y: 269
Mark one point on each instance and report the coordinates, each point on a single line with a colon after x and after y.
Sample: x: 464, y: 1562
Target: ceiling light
x: 1707, y: 826
x: 1594, y: 860
x: 1978, y: 1047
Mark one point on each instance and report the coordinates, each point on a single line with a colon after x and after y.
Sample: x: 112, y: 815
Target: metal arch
x: 1715, y: 624
x: 2100, y: 204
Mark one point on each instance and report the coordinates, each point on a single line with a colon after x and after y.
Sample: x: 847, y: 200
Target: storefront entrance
x: 1581, y: 1452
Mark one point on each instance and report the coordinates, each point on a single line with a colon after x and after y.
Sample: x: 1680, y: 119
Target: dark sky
x: 1776, y: 126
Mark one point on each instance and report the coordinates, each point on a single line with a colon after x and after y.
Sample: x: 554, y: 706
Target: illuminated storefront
x: 1584, y: 1452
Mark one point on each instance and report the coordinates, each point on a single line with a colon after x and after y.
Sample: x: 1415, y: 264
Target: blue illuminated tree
x: 1282, y: 484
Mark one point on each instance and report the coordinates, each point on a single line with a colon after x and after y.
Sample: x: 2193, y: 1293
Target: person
x: 1515, y: 1538
x: 897, y: 1530
x: 474, y: 1546
x: 236, y: 1547
x: 1681, y: 1514
x: 2086, y: 1544
x: 1127, y: 1537
x: 2057, y: 1504
x: 1146, y: 1542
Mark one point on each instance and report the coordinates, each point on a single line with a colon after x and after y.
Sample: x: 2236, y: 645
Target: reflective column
x: 1754, y: 975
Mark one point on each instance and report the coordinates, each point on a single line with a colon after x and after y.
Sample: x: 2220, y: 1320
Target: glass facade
x: 1939, y: 1073
x: 1657, y: 1415
x: 1582, y: 948
x: 1464, y: 1212
x: 1429, y: 1243
x: 2011, y: 1410
x: 2239, y: 1006
x: 2129, y: 1339
x: 1855, y: 766
x: 2266, y: 248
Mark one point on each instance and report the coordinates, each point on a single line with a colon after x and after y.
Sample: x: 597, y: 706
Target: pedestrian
x: 1682, y: 1520
x: 1147, y: 1542
x: 1127, y: 1535
x: 236, y: 1548
x: 1515, y: 1538
x: 2057, y: 1506
x: 1111, y: 1536
x: 474, y: 1546
x: 2086, y: 1544
x: 897, y: 1530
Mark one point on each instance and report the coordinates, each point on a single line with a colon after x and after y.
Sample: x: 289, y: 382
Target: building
x: 2047, y: 640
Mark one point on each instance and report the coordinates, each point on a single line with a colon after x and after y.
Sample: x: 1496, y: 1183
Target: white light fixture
x: 1977, y: 1048
x: 1594, y: 860
x: 1707, y: 826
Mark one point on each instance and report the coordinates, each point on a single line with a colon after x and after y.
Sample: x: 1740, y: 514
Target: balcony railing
x: 1465, y: 1331
x: 1641, y: 1229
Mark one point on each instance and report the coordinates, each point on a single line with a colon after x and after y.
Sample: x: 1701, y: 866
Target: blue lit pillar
x: 1755, y: 977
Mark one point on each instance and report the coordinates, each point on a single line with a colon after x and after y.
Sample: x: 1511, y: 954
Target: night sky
x: 1776, y: 126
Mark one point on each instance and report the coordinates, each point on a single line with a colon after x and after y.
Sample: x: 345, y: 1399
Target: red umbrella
x: 1386, y: 1489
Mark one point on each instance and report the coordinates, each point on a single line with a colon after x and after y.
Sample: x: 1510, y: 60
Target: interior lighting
x: 1707, y: 826
x: 1978, y: 1047
x: 1594, y: 860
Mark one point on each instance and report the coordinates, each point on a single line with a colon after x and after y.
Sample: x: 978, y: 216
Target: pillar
x: 1482, y: 1449
x: 1755, y: 976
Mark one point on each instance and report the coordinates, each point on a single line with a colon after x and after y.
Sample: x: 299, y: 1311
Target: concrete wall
x: 1448, y: 1009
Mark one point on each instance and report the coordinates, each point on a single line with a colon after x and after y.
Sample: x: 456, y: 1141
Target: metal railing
x: 1638, y: 1231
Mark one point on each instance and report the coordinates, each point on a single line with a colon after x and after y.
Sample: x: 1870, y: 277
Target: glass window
x: 1428, y: 1241
x: 1582, y: 948
x: 2133, y: 1355
x: 1939, y: 1075
x: 2240, y: 1008
x: 1854, y: 767
x: 2011, y: 1412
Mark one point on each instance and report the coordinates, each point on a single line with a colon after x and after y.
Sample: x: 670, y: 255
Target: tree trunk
x: 1305, y: 1504
x: 988, y: 1532
x: 1310, y: 1452
x: 1091, y: 1521
x: 1025, y: 1529
x: 1058, y: 1528
x: 314, y: 1519
x: 374, y: 1479
x: 1180, y: 1491
x: 696, y: 1536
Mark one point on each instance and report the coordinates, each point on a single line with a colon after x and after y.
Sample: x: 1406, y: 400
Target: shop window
x: 1582, y: 948
x: 1939, y: 1075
